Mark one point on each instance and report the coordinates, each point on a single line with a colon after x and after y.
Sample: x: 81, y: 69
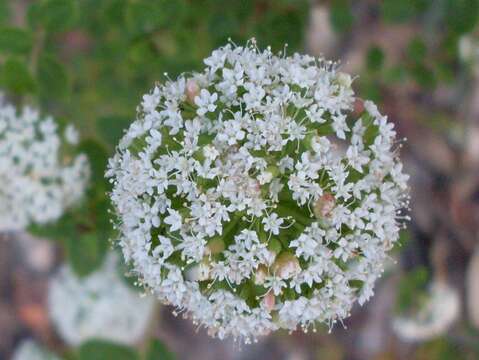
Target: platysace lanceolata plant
x: 253, y: 198
x: 40, y: 175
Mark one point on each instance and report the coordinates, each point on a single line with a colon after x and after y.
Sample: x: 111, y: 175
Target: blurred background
x: 89, y: 62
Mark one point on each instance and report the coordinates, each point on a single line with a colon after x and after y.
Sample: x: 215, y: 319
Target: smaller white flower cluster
x: 469, y: 51
x: 38, y: 179
x: 438, y: 313
x: 100, y: 305
x: 30, y: 350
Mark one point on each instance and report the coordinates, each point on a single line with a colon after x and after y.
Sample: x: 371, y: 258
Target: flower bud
x: 324, y: 205
x: 358, y: 107
x: 215, y: 246
x: 273, y: 169
x: 192, y: 90
x: 269, y: 301
x: 260, y: 275
x: 286, y: 266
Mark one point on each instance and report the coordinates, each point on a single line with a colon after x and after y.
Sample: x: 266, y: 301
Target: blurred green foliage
x: 100, y: 350
x: 412, y: 290
x: 431, y: 57
x: 443, y: 349
x: 395, y: 11
x: 341, y: 16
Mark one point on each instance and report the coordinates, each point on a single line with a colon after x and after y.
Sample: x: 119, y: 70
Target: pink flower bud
x: 286, y: 266
x: 260, y: 275
x: 192, y: 90
x: 269, y: 301
x: 324, y: 205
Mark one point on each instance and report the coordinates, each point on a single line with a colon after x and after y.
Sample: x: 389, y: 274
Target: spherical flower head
x: 101, y: 305
x: 40, y: 175
x: 265, y: 202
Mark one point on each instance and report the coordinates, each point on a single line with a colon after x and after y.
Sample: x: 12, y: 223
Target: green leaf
x: 374, y: 58
x: 52, y: 77
x: 144, y: 16
x: 399, y: 11
x: 34, y: 14
x: 341, y: 16
x: 462, y: 15
x: 395, y: 74
x: 114, y: 13
x: 102, y: 218
x: 15, y: 76
x: 443, y: 348
x: 86, y: 252
x: 15, y: 41
x: 416, y: 50
x: 56, y: 231
x: 98, y: 157
x: 4, y: 11
x: 111, y: 128
x: 276, y: 28
x: 411, y: 289
x: 423, y: 76
x: 105, y: 350
x: 157, y: 350
x: 58, y: 15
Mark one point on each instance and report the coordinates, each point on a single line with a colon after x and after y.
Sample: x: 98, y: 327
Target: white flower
x: 254, y: 95
x: 231, y: 133
x: 205, y: 102
x: 100, y: 305
x: 71, y: 135
x: 468, y: 49
x: 272, y: 223
x: 340, y: 126
x: 174, y: 220
x: 256, y: 196
x: 210, y: 152
x: 275, y: 283
x: 357, y: 159
x: 38, y: 182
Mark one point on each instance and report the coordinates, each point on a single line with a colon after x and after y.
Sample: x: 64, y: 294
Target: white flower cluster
x: 100, y: 305
x: 469, y: 51
x: 439, y: 312
x: 37, y: 184
x: 252, y: 197
x: 30, y: 350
